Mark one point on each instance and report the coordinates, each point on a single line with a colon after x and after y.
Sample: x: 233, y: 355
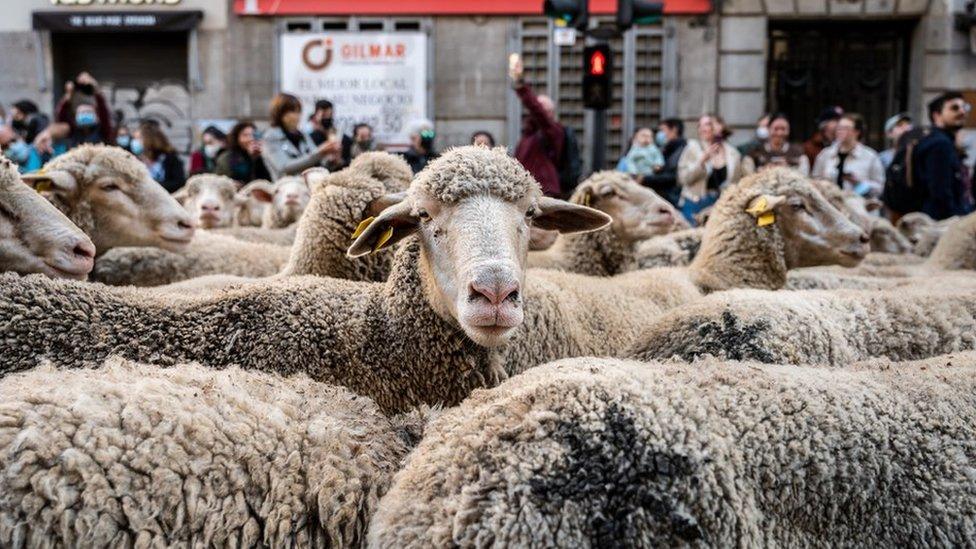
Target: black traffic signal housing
x: 637, y: 12
x: 568, y: 13
x: 597, y: 76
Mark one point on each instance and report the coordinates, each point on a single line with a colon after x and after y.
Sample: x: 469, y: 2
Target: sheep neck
x: 739, y: 255
x: 599, y: 253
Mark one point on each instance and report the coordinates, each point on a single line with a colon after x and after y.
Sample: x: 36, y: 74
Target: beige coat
x: 693, y: 177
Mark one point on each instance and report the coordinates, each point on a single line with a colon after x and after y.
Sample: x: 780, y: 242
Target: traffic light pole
x: 598, y: 157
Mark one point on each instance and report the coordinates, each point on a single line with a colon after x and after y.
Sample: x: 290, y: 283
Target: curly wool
x: 390, y: 169
x: 337, y: 206
x: 284, y: 236
x: 469, y: 171
x: 676, y: 249
x: 603, y: 453
x: 208, y: 253
x: 817, y: 327
x: 133, y: 455
x: 382, y: 340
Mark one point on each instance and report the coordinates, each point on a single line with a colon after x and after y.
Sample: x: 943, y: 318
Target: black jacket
x: 940, y: 172
x: 174, y: 175
x: 665, y: 180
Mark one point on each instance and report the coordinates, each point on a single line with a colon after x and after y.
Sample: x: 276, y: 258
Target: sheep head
x: 638, y: 212
x: 35, y: 237
x: 210, y: 199
x: 110, y: 195
x: 252, y: 200
x: 814, y: 231
x: 472, y: 210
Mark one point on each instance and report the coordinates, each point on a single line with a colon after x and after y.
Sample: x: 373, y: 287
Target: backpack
x: 570, y: 164
x: 900, y: 192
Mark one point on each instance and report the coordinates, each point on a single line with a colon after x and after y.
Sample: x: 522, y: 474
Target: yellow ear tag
x: 766, y: 219
x: 383, y: 239
x: 362, y: 227
x: 586, y: 199
x: 43, y: 186
x: 759, y: 207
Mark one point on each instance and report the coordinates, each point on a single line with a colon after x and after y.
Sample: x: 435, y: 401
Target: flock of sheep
x: 372, y: 358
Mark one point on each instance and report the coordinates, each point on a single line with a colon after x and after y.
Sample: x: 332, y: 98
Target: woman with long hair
x: 242, y: 160
x: 287, y: 150
x: 151, y: 145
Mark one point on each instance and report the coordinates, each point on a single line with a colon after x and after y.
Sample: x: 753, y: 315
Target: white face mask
x: 211, y: 150
x: 762, y: 133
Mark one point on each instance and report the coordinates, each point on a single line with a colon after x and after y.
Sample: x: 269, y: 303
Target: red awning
x: 436, y: 7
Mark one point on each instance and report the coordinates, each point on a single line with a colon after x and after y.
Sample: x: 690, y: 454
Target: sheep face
x: 290, y: 199
x: 210, y: 199
x: 886, y: 239
x: 638, y: 213
x: 37, y: 238
x: 814, y: 231
x: 912, y: 225
x: 474, y: 236
x: 252, y: 200
x: 110, y: 194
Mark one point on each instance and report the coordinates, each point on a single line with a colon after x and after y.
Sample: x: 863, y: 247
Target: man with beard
x: 938, y: 167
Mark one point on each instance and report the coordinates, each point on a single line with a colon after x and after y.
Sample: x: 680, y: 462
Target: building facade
x: 188, y: 63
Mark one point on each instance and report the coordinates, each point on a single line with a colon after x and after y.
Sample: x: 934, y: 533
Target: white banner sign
x: 371, y: 77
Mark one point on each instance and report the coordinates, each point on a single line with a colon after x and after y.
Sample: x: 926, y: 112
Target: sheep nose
x: 495, y: 291
x: 210, y: 208
x: 83, y: 249
x: 864, y: 238
x: 184, y: 224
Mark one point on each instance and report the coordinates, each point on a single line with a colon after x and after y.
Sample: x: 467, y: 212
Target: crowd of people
x: 923, y: 169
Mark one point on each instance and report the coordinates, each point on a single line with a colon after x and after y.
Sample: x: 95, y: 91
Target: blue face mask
x: 124, y: 141
x: 660, y: 138
x: 18, y: 152
x: 136, y: 146
x: 86, y: 119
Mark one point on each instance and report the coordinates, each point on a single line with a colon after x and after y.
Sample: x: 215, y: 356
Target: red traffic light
x: 598, y: 63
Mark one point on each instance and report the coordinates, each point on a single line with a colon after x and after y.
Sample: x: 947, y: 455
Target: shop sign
x: 371, y: 77
x: 115, y: 2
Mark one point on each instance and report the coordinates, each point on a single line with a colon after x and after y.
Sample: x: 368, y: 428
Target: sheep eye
x: 423, y: 215
x: 110, y: 187
x: 799, y: 206
x: 530, y: 213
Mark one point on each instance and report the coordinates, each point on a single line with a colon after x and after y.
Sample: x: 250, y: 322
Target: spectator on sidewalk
x: 322, y: 128
x: 421, y: 150
x: 895, y: 127
x: 938, y: 167
x: 707, y: 166
x: 825, y: 134
x: 670, y: 139
x: 362, y: 141
x: 204, y: 159
x: 286, y: 149
x: 777, y: 149
x: 483, y: 138
x: 540, y: 147
x: 159, y: 155
x: 848, y: 162
x: 83, y: 93
x: 27, y: 120
x: 760, y: 137
x: 242, y: 160
x: 642, y: 158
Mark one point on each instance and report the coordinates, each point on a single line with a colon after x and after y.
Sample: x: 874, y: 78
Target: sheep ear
x: 872, y: 204
x: 379, y: 204
x: 392, y: 225
x: 315, y: 176
x: 260, y: 190
x: 762, y: 206
x: 182, y: 194
x: 568, y: 218
x: 53, y: 181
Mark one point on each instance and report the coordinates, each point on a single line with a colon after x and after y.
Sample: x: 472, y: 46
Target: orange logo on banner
x: 315, y: 44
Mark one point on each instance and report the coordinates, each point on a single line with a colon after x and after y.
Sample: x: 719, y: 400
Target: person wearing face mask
x: 322, y: 128
x: 204, y: 159
x: 761, y: 135
x: 124, y: 138
x: 15, y: 148
x: 286, y: 149
x: 421, y: 150
x: 777, y: 149
x: 362, y: 141
x: 84, y: 90
x: 152, y: 146
x: 670, y: 139
x: 27, y: 121
x: 851, y: 164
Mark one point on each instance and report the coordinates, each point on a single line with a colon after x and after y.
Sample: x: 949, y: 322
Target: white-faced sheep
x: 250, y: 208
x: 638, y: 214
x: 130, y: 455
x: 922, y: 231
x: 286, y: 200
x: 34, y: 236
x: 603, y: 453
x: 817, y: 327
x: 427, y: 335
x: 109, y: 194
x: 210, y: 199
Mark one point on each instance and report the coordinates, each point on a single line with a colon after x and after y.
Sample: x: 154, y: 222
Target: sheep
x: 35, y: 237
x: 109, y: 194
x: 922, y: 231
x: 428, y: 335
x: 670, y: 250
x: 606, y: 453
x: 286, y: 200
x: 284, y: 236
x: 885, y: 238
x: 817, y: 327
x: 210, y: 199
x: 134, y: 455
x: 250, y: 209
x: 638, y: 213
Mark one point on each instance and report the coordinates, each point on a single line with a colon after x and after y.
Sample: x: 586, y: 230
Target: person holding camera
x: 85, y: 111
x: 708, y: 165
x: 287, y: 150
x: 242, y: 159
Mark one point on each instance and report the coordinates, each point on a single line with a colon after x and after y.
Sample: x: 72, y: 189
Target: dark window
x: 860, y: 65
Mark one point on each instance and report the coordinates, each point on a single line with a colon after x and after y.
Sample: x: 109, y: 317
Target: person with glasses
x: 938, y: 167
